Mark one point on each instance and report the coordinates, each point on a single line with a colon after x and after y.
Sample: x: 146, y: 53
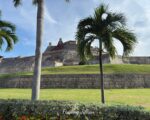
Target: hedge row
x: 64, y: 110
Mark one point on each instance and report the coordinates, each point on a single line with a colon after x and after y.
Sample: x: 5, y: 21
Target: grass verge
x: 89, y: 69
x: 135, y: 97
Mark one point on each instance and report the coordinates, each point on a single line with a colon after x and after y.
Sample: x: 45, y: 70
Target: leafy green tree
x: 7, y: 34
x: 104, y: 26
x: 38, y: 51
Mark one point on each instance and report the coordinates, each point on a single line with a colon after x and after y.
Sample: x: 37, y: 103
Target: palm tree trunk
x: 38, y: 51
x: 101, y: 72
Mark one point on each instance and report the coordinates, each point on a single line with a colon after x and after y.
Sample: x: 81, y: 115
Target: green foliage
x: 64, y: 110
x: 104, y: 26
x: 19, y: 2
x: 82, y: 63
x: 7, y: 33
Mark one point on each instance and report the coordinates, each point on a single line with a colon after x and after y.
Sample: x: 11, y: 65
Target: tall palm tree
x: 38, y: 51
x: 7, y: 34
x: 103, y: 26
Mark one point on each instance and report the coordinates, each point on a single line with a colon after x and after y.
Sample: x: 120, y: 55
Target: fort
x: 63, y: 54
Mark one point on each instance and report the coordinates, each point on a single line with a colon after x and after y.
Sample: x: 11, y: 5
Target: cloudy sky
x: 61, y: 20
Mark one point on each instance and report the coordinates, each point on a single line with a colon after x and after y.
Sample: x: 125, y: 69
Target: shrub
x: 64, y: 110
x: 82, y: 63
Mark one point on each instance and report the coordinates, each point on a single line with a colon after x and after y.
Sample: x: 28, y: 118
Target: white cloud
x: 61, y: 20
x: 48, y: 17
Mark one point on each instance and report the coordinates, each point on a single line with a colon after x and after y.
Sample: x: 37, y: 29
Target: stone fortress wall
x: 64, y: 53
x: 131, y: 60
x: 138, y: 60
x: 80, y: 81
x: 18, y: 64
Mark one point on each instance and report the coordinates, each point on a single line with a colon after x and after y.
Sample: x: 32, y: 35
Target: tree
x: 7, y: 34
x: 38, y: 51
x: 103, y: 26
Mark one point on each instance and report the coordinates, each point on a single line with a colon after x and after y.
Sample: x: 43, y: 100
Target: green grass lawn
x: 136, y: 97
x: 90, y: 69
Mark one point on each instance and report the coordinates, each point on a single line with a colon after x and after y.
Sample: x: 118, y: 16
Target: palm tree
x: 104, y: 26
x: 38, y: 51
x: 7, y: 34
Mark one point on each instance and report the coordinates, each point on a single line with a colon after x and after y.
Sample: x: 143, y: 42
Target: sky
x: 61, y: 21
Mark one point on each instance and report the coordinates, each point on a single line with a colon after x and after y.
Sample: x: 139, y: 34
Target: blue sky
x: 61, y: 20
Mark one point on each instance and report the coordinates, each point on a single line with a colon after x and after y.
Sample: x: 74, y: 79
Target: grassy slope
x: 89, y: 69
x: 136, y: 97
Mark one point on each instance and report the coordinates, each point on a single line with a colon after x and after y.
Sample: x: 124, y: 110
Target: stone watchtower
x: 64, y: 53
x: 60, y: 42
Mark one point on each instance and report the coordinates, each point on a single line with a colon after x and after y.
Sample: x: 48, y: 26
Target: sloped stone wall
x: 80, y: 81
x: 131, y: 60
x: 139, y: 60
x: 18, y: 64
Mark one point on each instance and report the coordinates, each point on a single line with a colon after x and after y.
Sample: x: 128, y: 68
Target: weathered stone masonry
x: 64, y: 53
x: 80, y: 81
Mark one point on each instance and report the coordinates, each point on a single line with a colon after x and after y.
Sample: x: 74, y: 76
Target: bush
x: 82, y: 63
x: 64, y: 110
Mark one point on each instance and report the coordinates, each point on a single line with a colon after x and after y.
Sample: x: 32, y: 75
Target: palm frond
x: 17, y: 2
x: 7, y: 33
x: 8, y: 25
x: 8, y: 40
x: 105, y: 29
x: 116, y: 17
x: 81, y: 42
x: 81, y: 33
x: 88, y: 51
x: 109, y: 45
x: 13, y: 37
x: 99, y: 11
x: 84, y: 45
x: 127, y: 38
x: 84, y: 28
x: 34, y: 2
x: 87, y: 22
x: 81, y: 49
x: 9, y: 37
x: 1, y: 42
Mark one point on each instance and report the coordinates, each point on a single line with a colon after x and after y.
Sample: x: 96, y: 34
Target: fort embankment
x: 111, y: 81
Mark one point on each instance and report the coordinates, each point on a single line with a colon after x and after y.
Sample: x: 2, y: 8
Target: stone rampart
x: 80, y: 81
x: 17, y: 64
x: 138, y: 60
x: 64, y: 54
